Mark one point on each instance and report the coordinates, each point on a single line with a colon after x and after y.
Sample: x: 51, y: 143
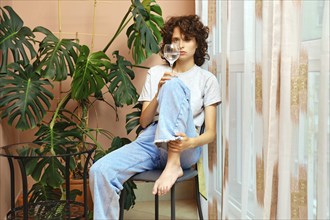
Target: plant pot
x: 78, y: 184
x: 19, y: 201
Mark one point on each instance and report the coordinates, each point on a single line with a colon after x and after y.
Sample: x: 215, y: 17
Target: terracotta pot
x: 78, y: 184
x: 19, y: 201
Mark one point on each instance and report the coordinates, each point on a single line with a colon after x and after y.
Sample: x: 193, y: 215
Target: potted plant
x: 30, y: 67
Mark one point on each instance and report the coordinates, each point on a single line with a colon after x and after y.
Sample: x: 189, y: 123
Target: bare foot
x: 167, y: 179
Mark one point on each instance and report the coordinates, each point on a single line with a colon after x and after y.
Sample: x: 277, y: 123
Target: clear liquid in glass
x: 171, y: 53
x: 171, y: 57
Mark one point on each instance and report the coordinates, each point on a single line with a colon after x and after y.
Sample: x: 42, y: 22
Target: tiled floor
x: 185, y: 209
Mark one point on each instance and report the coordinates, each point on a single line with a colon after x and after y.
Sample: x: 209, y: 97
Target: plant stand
x: 54, y: 209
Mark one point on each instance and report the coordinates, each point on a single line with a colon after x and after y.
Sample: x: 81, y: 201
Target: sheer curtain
x: 274, y: 64
x: 210, y: 180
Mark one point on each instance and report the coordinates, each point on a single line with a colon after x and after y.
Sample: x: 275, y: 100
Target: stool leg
x: 198, y: 200
x: 173, y: 202
x: 156, y: 207
x: 122, y: 204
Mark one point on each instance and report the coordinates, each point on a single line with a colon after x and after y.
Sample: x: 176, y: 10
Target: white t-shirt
x: 203, y: 85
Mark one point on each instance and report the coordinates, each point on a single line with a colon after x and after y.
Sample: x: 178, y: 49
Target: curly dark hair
x: 191, y: 27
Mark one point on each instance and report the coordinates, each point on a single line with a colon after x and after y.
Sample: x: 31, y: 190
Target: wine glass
x: 171, y: 53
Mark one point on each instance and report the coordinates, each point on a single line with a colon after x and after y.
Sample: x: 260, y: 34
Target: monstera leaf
x: 144, y: 34
x: 48, y: 170
x: 121, y: 86
x: 40, y: 192
x: 14, y: 37
x: 60, y: 137
x: 24, y: 96
x: 90, y: 75
x: 133, y: 119
x: 57, y: 57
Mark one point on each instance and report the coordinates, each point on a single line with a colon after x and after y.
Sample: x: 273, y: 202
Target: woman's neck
x: 181, y: 67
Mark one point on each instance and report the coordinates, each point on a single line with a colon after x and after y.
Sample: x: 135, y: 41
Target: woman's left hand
x: 182, y: 144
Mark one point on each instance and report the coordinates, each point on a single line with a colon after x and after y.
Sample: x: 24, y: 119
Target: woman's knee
x: 100, y: 168
x: 100, y: 172
x: 172, y: 84
x: 94, y: 171
x: 175, y: 88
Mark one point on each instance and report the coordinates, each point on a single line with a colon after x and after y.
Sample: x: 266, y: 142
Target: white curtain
x: 274, y: 64
x: 210, y: 178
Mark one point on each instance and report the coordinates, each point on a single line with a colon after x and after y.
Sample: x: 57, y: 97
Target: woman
x: 175, y: 104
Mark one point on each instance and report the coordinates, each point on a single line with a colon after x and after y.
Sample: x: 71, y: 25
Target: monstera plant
x: 30, y: 66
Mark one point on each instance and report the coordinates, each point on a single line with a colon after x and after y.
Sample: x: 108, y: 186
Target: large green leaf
x: 46, y: 169
x: 133, y: 119
x: 40, y: 192
x: 57, y: 57
x: 25, y: 98
x: 61, y: 137
x: 121, y: 86
x: 117, y: 143
x: 144, y: 34
x: 54, y: 171
x: 49, y: 171
x: 90, y: 75
x: 129, y: 187
x: 14, y: 37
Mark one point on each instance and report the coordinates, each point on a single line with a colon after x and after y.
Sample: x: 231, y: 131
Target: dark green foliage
x: 29, y: 68
x: 16, y: 38
x: 90, y: 75
x: 56, y: 57
x: 144, y: 34
x: 120, y: 78
x: 133, y: 119
x: 25, y: 97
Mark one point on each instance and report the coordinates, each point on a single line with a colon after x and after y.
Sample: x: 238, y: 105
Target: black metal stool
x: 152, y: 176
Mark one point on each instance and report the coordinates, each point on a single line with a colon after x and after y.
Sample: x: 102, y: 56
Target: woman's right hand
x: 165, y: 77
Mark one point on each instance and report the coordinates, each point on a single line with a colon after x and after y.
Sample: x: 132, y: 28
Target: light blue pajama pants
x: 109, y: 173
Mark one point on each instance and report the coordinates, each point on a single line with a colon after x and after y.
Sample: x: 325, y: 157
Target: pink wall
x: 76, y: 19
